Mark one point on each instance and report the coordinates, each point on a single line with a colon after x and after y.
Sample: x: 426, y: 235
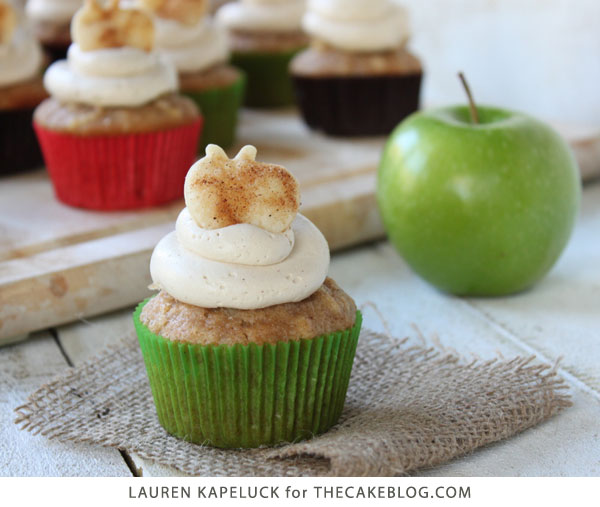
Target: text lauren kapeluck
x: 205, y: 492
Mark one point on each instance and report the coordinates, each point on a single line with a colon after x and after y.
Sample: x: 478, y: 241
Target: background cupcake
x: 198, y: 48
x: 264, y: 36
x: 115, y: 134
x: 248, y: 342
x: 357, y: 78
x: 51, y: 20
x: 21, y: 90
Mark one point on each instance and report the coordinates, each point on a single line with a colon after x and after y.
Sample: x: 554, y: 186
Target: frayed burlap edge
x: 409, y: 406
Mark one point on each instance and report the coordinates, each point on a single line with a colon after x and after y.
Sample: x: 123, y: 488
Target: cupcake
x: 51, y: 20
x: 247, y: 343
x: 21, y: 90
x: 357, y: 78
x: 114, y: 132
x: 264, y: 35
x: 198, y: 49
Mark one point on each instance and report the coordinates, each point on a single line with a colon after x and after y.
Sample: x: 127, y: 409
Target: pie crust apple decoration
x: 98, y: 27
x: 220, y: 191
x: 8, y: 22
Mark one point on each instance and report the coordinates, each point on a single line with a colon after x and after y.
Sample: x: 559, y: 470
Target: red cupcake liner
x: 121, y: 171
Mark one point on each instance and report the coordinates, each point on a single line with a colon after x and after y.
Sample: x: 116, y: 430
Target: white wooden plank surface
x: 530, y: 323
x: 561, y: 316
x: 564, y: 445
x: 377, y: 277
x: 84, y: 339
x: 23, y: 368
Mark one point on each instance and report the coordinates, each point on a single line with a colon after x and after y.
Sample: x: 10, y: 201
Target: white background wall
x: 540, y: 56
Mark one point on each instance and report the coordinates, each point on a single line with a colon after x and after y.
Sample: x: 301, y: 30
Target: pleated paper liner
x: 244, y: 396
x: 357, y: 105
x: 19, y: 149
x: 121, y: 171
x: 268, y: 79
x: 219, y: 107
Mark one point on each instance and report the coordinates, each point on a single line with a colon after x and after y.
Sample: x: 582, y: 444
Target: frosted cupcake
x: 21, y: 90
x: 264, y: 36
x: 115, y: 134
x: 51, y: 20
x: 198, y: 49
x: 357, y: 78
x: 248, y: 343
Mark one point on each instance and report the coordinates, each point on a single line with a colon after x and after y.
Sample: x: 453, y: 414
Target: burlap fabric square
x: 408, y: 406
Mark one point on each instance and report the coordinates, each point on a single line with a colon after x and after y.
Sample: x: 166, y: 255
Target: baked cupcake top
x: 112, y: 61
x: 186, y: 35
x: 240, y: 242
x: 20, y: 54
x: 359, y: 25
x: 53, y: 11
x: 262, y: 15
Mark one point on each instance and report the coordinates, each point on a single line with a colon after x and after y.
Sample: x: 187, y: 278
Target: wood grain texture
x: 502, y: 327
x: 554, y: 319
x: 24, y: 368
x: 585, y: 142
x: 58, y: 264
x: 82, y: 340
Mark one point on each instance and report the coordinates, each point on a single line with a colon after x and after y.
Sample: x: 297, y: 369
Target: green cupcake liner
x: 219, y: 107
x: 269, y: 83
x: 242, y: 396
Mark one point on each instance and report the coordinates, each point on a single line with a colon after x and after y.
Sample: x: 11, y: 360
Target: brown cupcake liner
x: 19, y: 148
x: 357, y: 105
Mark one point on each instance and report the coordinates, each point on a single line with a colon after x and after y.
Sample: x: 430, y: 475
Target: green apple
x: 479, y: 209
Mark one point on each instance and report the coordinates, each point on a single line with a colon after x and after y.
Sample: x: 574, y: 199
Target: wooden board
x: 585, y: 142
x: 59, y: 264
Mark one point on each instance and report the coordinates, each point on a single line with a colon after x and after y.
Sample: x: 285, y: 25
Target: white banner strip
x: 416, y: 491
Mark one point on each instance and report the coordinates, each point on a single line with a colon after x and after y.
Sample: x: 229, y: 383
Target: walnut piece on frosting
x: 105, y: 25
x: 187, y: 12
x: 8, y: 22
x: 220, y: 191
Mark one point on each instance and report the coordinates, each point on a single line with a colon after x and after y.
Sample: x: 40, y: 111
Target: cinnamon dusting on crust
x: 220, y: 191
x: 98, y: 26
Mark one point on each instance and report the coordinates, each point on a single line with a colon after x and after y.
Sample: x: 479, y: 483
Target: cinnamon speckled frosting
x: 240, y: 242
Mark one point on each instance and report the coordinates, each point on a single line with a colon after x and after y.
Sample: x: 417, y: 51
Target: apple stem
x: 472, y: 106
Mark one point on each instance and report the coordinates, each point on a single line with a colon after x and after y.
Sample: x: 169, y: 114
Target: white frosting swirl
x: 191, y: 48
x: 222, y: 281
x: 115, y: 77
x: 359, y: 25
x: 262, y: 15
x: 57, y: 11
x: 21, y: 59
x: 239, y: 244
